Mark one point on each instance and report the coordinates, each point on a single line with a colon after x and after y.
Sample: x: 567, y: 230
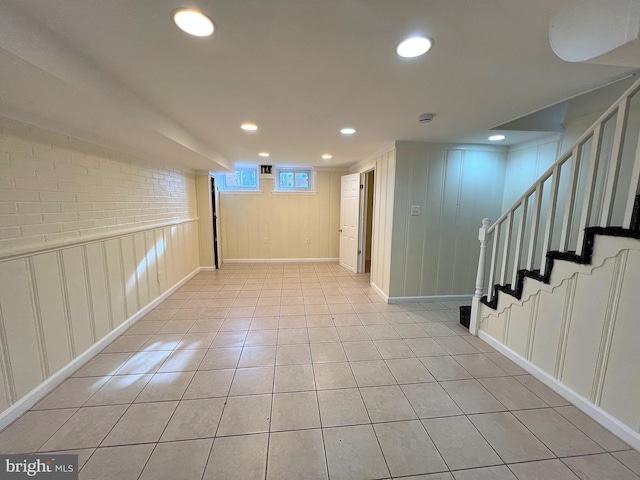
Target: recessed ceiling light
x: 496, y: 138
x: 327, y: 156
x: 249, y: 127
x: 264, y: 154
x: 414, y: 47
x: 348, y: 131
x: 194, y: 22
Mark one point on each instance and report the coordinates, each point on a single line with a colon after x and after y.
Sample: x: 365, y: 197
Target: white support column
x: 475, y: 303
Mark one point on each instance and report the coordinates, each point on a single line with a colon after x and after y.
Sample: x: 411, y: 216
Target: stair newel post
x: 475, y: 302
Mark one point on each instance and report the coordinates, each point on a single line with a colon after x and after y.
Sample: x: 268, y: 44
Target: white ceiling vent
x: 605, y: 32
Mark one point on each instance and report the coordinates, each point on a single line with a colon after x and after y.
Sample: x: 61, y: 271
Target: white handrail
x: 600, y: 190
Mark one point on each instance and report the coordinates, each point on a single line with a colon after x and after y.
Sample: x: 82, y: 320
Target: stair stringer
x: 578, y: 334
x: 604, y: 247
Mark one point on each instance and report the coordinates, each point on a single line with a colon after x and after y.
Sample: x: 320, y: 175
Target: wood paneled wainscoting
x: 61, y: 304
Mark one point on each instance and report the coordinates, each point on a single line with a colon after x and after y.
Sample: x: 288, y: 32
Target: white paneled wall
x: 580, y: 332
x: 435, y: 253
x: 55, y: 304
x: 384, y: 166
x: 526, y: 162
x: 266, y: 225
x: 89, y: 239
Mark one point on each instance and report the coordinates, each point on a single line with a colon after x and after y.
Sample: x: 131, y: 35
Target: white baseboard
x: 281, y: 260
x: 605, y: 419
x: 379, y: 291
x: 12, y: 413
x: 432, y: 298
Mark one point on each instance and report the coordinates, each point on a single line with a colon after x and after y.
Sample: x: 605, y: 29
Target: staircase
x: 592, y: 189
x: 559, y: 273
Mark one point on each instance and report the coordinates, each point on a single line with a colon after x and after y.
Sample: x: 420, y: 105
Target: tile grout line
x: 324, y: 445
x: 370, y: 421
x: 339, y: 341
x: 156, y: 443
x: 266, y: 465
x: 215, y: 434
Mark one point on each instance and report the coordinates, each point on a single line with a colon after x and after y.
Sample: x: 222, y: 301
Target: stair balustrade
x: 593, y: 184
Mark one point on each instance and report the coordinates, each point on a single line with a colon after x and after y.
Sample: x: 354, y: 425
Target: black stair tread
x: 571, y: 256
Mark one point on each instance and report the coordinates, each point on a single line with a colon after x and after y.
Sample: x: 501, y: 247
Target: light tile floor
x: 301, y: 371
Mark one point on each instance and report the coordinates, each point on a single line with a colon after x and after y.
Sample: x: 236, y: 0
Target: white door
x: 349, y: 210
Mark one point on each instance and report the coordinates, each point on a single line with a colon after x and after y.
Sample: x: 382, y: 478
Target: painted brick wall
x: 54, y: 188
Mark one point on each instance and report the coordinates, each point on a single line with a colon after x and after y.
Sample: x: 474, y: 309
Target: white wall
x: 89, y: 239
x: 579, y: 333
x: 384, y: 165
x: 455, y: 186
x: 526, y: 162
x: 266, y: 225
x: 56, y: 188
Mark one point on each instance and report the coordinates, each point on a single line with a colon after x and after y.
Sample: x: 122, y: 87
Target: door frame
x: 362, y: 234
x: 362, y: 223
x: 215, y: 207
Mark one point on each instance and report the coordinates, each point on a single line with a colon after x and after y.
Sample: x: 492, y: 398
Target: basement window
x: 294, y: 179
x: 243, y: 179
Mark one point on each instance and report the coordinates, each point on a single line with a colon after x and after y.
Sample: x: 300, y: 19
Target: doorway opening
x: 367, y: 216
x: 357, y: 198
x: 214, y: 221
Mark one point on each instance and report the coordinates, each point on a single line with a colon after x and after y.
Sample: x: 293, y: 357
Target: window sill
x: 294, y: 193
x: 241, y: 192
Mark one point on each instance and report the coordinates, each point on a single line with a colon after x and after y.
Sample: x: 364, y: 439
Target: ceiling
x: 120, y: 74
x: 554, y: 117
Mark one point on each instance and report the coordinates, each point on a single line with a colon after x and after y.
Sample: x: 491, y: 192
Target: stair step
x: 571, y: 256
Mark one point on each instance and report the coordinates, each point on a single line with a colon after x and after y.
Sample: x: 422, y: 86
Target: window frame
x: 278, y: 188
x: 224, y: 187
